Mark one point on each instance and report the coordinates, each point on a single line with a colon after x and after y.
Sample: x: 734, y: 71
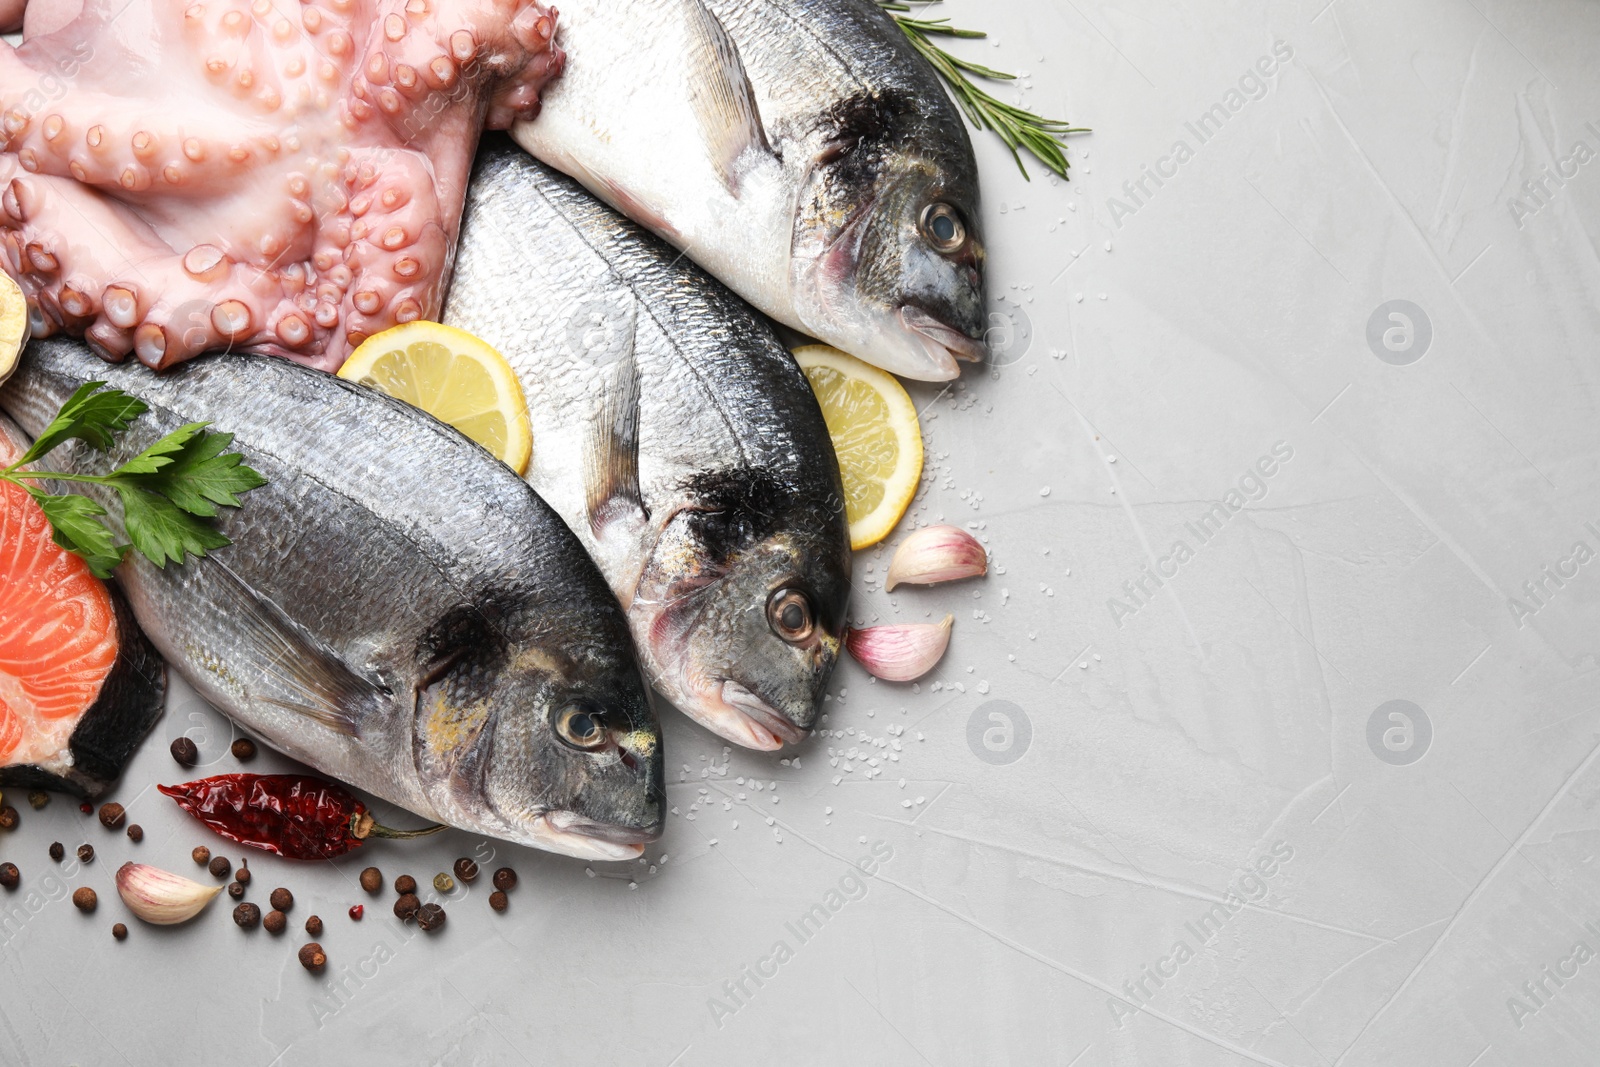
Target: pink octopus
x: 271, y: 175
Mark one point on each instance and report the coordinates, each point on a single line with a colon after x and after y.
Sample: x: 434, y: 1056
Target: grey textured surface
x: 1422, y: 880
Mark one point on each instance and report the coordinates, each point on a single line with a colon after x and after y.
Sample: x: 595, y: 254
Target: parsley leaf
x: 163, y: 532
x: 75, y: 525
x: 90, y: 416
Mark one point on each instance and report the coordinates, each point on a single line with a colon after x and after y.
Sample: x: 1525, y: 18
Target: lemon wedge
x: 13, y: 325
x: 453, y: 376
x: 875, y: 435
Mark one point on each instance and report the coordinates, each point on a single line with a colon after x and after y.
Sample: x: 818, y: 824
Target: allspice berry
x: 113, y: 815
x: 314, y: 926
x: 236, y: 890
x: 135, y: 832
x: 430, y: 917
x: 201, y: 855
x: 281, y: 899
x: 84, y: 899
x: 312, y: 958
x: 498, y: 900
x: 9, y: 875
x: 119, y: 932
x: 186, y: 752
x: 372, y: 879
x: 276, y: 922
x: 9, y: 818
x: 219, y: 866
x: 247, y: 916
x: 242, y: 875
x: 244, y: 750
x: 466, y: 870
x: 405, y: 884
x: 406, y: 906
x: 505, y: 879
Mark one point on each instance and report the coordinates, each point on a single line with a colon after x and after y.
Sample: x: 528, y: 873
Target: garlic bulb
x: 161, y: 897
x: 936, y: 554
x: 900, y: 653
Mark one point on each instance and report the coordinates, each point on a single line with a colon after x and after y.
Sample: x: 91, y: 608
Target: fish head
x: 560, y: 750
x: 887, y: 258
x: 743, y: 600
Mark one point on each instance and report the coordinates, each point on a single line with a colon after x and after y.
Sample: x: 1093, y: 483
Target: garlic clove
x: 161, y: 897
x: 901, y: 653
x: 936, y: 554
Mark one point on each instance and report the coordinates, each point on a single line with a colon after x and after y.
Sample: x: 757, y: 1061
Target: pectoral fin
x: 724, y: 100
x: 611, y: 467
x: 294, y: 670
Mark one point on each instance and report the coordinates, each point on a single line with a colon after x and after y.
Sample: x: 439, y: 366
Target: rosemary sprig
x: 1020, y: 129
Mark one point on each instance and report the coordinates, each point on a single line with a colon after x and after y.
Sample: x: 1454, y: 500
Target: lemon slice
x: 875, y: 435
x: 453, y: 376
x: 13, y: 325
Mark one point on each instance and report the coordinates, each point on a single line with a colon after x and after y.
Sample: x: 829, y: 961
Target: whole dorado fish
x: 678, y: 439
x: 398, y: 609
x: 799, y: 150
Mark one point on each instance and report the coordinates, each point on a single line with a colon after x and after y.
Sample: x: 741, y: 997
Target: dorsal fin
x: 723, y: 98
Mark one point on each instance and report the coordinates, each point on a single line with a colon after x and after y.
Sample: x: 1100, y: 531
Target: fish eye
x: 790, y: 616
x: 943, y: 228
x: 581, y: 726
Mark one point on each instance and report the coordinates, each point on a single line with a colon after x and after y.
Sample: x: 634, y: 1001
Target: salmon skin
x: 75, y: 700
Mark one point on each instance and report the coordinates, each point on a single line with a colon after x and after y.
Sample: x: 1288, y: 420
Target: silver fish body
x: 801, y: 151
x: 397, y: 609
x: 678, y: 439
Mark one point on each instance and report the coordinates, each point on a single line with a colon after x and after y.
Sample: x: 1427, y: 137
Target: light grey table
x: 1317, y: 787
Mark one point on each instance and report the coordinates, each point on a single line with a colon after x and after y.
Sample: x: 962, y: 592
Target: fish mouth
x: 748, y: 720
x: 942, y: 343
x: 571, y: 834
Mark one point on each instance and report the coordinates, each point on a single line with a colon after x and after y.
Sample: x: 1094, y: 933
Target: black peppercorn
x: 498, y: 900
x: 135, y: 832
x: 9, y: 818
x: 57, y: 851
x: 406, y: 906
x: 85, y: 853
x: 244, y: 750
x: 281, y: 899
x: 505, y: 879
x: 113, y: 815
x: 247, y: 916
x: 430, y: 917
x: 219, y: 866
x: 185, y: 752
x: 9, y: 875
x: 466, y: 870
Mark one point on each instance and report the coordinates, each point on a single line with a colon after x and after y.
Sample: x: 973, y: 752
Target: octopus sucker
x: 362, y: 115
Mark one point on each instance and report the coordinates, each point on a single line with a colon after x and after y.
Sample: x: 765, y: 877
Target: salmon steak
x: 80, y: 686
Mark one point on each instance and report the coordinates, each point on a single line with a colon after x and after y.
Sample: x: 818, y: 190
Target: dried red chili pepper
x: 295, y: 816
